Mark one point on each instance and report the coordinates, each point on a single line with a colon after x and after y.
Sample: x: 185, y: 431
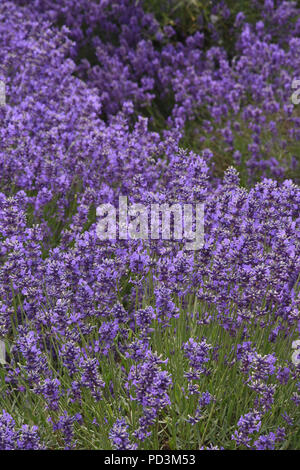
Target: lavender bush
x: 141, y: 344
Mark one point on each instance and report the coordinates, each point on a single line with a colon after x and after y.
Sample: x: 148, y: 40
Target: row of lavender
x: 239, y: 99
x: 133, y: 344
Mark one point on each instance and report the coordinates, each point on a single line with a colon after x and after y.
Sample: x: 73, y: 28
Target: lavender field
x: 114, y: 336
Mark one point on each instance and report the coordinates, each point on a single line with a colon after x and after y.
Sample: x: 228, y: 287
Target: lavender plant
x: 141, y: 344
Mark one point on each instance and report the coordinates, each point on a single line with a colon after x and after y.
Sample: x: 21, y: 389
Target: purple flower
x: 120, y: 437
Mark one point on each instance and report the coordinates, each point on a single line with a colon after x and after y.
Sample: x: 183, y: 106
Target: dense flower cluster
x: 125, y: 342
x: 24, y: 438
x: 146, y: 63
